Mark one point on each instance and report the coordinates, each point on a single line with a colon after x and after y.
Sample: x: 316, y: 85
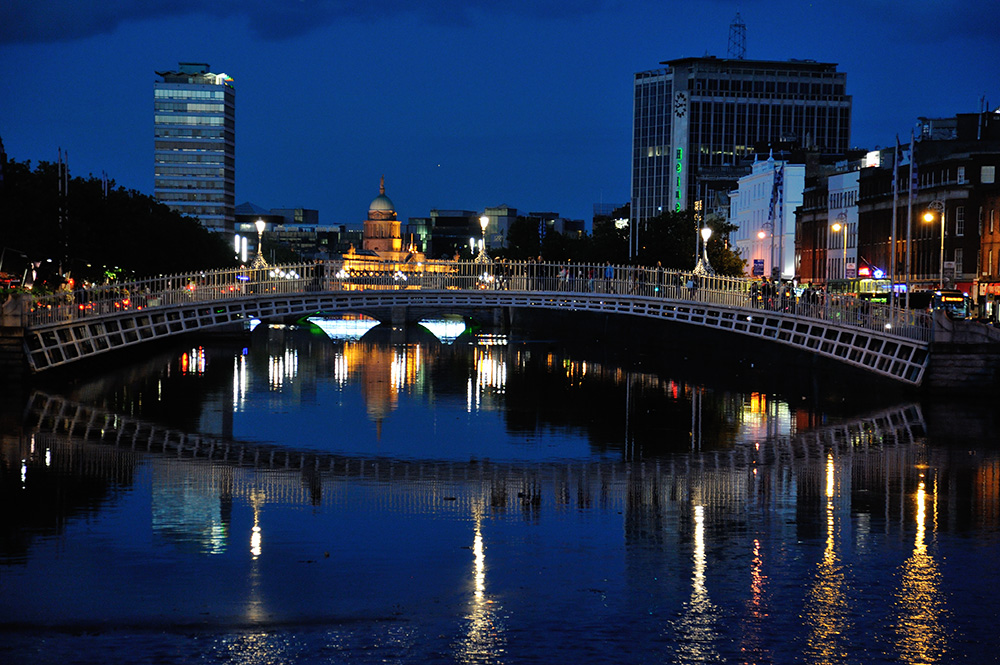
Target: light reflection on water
x: 302, y: 499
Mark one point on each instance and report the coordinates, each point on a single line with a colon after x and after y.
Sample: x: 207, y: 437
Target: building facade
x: 842, y: 220
x: 762, y: 208
x: 945, y: 181
x: 697, y: 122
x: 194, y: 129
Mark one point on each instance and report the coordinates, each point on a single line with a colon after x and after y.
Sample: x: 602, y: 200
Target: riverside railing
x: 621, y: 281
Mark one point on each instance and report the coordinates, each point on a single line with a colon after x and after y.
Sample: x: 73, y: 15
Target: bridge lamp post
x: 258, y: 260
x: 483, y: 257
x: 704, y: 267
x: 938, y: 206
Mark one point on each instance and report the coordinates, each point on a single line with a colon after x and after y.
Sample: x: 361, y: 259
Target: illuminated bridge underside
x: 891, y: 356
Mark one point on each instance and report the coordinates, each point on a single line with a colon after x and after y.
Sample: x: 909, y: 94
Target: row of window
x: 175, y: 93
x: 756, y: 85
x: 190, y: 171
x: 181, y: 197
x: 210, y: 120
x: 217, y: 147
x: 202, y: 210
x: 843, y: 199
x: 195, y: 158
x: 190, y: 107
x: 212, y: 183
x: 188, y: 132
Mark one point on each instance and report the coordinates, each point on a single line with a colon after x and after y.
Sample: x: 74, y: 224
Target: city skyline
x: 460, y: 105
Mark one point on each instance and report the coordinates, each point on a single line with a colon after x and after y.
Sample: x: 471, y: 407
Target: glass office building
x: 195, y: 144
x: 697, y: 122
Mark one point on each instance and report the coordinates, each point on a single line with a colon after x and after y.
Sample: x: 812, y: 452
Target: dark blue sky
x: 460, y: 104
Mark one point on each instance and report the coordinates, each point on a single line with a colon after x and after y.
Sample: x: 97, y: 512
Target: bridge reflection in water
x: 699, y: 492
x: 772, y: 472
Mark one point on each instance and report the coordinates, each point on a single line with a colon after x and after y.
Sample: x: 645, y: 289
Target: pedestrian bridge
x: 83, y: 323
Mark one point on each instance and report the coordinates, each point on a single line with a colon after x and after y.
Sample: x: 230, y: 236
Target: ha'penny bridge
x: 904, y: 346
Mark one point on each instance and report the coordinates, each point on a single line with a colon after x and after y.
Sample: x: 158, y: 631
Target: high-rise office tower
x: 195, y: 139
x: 697, y: 122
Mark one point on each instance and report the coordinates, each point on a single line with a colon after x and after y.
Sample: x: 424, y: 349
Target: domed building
x: 382, y: 241
x: 382, y: 232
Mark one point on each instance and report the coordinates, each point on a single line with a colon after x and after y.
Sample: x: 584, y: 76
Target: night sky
x: 461, y: 105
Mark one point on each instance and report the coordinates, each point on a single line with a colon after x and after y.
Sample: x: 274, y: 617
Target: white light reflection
x: 240, y: 382
x: 484, y: 640
x: 827, y: 610
x: 256, y: 500
x: 697, y: 626
x: 283, y: 368
x: 491, y: 370
x: 921, y: 637
x: 340, y: 368
x: 397, y: 370
x: 256, y: 612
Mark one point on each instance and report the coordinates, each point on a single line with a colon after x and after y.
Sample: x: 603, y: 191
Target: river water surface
x: 315, y: 497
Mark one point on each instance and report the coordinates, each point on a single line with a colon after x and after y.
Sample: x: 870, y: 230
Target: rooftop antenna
x: 737, y: 49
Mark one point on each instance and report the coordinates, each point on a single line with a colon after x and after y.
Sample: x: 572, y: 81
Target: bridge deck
x: 86, y: 322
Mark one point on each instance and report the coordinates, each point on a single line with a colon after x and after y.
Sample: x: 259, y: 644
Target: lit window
x: 988, y: 175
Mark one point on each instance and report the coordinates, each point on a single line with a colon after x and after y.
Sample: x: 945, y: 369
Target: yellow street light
x: 938, y: 206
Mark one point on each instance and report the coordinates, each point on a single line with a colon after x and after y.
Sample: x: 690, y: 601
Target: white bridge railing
x: 619, y: 281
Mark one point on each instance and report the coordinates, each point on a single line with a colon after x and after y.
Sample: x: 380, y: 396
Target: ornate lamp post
x: 258, y: 260
x: 483, y: 257
x: 704, y: 267
x: 938, y: 206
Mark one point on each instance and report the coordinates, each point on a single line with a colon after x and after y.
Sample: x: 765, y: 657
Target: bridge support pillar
x: 398, y: 316
x: 964, y: 357
x: 13, y: 320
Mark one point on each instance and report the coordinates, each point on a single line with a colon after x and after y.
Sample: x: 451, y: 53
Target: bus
x: 956, y: 304
x: 873, y: 290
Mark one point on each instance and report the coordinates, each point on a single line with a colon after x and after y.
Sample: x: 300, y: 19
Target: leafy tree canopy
x: 95, y: 231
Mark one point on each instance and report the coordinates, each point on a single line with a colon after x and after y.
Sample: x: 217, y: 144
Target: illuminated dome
x: 382, y: 203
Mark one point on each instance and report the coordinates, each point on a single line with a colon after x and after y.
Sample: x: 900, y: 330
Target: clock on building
x: 680, y: 104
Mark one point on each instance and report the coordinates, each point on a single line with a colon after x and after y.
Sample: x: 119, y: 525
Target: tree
x: 99, y: 228
x: 669, y: 238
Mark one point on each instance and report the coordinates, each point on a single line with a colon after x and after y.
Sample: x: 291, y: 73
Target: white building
x: 842, y: 239
x: 763, y: 210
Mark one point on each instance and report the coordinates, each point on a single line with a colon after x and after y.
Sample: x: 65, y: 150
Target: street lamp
x: 483, y: 257
x: 763, y: 234
x: 840, y: 226
x: 258, y: 260
x: 938, y: 206
x: 704, y: 267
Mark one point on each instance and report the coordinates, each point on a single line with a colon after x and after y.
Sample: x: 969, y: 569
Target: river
x: 329, y: 495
